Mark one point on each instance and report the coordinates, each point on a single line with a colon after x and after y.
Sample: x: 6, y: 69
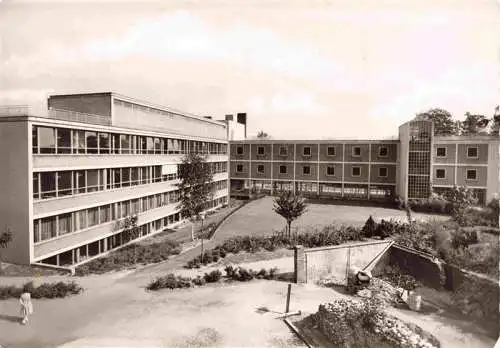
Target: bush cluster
x: 395, y: 276
x: 356, y: 324
x: 435, y: 204
x: 171, y: 281
x: 329, y: 235
x: 383, y: 229
x: 486, y: 216
x: 464, y: 237
x: 129, y: 256
x: 45, y: 290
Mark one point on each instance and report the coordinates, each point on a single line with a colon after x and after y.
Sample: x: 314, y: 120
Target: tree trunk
x: 192, y: 230
x: 289, y: 229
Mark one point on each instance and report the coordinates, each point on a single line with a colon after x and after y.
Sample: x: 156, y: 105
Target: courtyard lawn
x: 258, y: 218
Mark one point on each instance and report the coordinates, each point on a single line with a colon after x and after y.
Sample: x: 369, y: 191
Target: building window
x: 239, y: 168
x: 36, y: 192
x: 125, y: 143
x: 260, y: 150
x: 441, y: 152
x: 48, y: 228
x: 471, y: 174
x: 48, y: 184
x: 64, y: 184
x: 306, y: 170
x: 330, y: 171
x: 105, y: 213
x: 306, y: 151
x: 63, y: 140
x: 472, y: 152
x: 282, y: 169
x: 91, y: 138
x: 356, y: 151
x: 92, y: 180
x: 283, y: 151
x: 356, y: 171
x: 65, y: 224
x: 383, y: 151
x: 382, y: 172
x: 104, y: 143
x: 330, y: 151
x: 34, y: 139
x: 260, y: 168
x: 440, y: 173
x: 239, y: 150
x: 46, y: 140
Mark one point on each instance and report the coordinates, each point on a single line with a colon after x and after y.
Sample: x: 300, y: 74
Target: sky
x: 300, y: 69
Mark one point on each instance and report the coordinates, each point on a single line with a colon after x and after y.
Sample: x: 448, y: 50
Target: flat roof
x: 322, y: 141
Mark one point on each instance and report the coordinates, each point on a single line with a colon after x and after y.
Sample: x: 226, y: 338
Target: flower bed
x: 130, y: 256
x: 45, y: 290
x: 171, y: 281
x: 356, y: 324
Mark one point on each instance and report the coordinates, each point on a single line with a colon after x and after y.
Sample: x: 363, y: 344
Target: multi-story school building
x: 412, y: 166
x: 70, y: 174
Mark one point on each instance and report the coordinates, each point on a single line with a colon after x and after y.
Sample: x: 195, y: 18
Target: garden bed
x: 130, y: 256
x: 360, y: 324
x: 172, y: 281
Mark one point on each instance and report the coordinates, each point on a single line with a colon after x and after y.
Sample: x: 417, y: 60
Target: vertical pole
x: 202, y: 241
x: 288, y: 298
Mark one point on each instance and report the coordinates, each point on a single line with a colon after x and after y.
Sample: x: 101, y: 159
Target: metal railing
x: 74, y: 116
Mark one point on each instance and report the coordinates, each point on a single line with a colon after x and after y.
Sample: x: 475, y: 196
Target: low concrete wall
x: 475, y: 295
x: 331, y: 263
x: 424, y: 267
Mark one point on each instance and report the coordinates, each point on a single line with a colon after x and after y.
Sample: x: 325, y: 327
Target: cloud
x: 182, y: 36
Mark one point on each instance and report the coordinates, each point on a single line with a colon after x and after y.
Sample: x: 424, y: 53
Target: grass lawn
x: 258, y: 218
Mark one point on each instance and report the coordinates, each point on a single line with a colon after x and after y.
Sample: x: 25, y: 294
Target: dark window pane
x: 48, y: 228
x: 117, y: 178
x: 91, y: 142
x: 150, y: 145
x: 65, y: 224
x: 103, y: 142
x: 125, y: 176
x: 46, y: 140
x: 34, y: 139
x: 116, y: 143
x: 92, y: 180
x: 36, y: 192
x: 134, y: 176
x: 63, y: 140
x: 64, y: 187
x: 48, y: 184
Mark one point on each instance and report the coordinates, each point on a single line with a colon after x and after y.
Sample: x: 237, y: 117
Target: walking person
x: 26, y: 306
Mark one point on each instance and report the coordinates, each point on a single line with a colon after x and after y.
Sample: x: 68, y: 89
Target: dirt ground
x: 116, y: 311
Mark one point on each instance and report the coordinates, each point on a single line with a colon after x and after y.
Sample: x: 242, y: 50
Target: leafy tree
x: 290, y: 207
x: 194, y: 187
x: 5, y: 239
x: 474, y: 124
x: 132, y: 231
x: 262, y: 134
x: 495, y: 122
x: 442, y: 119
x: 461, y: 198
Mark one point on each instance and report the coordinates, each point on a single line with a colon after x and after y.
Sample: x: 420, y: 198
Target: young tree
x: 195, y: 187
x: 443, y: 121
x: 132, y: 231
x: 262, y: 135
x: 474, y: 124
x: 5, y: 239
x: 495, y: 122
x: 290, y: 207
x: 461, y: 198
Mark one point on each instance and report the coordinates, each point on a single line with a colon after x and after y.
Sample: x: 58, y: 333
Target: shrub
x: 463, y: 237
x: 199, y: 281
x: 170, y: 281
x: 395, y: 276
x: 45, y: 290
x: 213, y: 276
